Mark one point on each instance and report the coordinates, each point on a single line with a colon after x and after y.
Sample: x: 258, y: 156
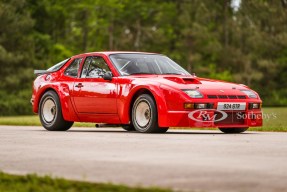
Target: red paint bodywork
x: 104, y: 101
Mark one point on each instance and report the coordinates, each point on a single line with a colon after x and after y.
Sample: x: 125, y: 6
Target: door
x: 93, y: 94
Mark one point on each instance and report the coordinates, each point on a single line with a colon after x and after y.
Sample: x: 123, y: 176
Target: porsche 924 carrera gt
x: 145, y: 92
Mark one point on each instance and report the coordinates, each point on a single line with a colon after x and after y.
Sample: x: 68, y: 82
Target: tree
x: 16, y: 57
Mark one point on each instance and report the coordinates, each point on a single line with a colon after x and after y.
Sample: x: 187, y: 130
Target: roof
x: 113, y: 52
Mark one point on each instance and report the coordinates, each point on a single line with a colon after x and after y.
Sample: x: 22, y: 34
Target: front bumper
x: 213, y: 118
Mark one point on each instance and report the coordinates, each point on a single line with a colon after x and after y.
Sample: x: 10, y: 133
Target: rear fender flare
x: 63, y: 92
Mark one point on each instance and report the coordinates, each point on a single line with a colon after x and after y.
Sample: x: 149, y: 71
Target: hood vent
x: 183, y: 80
x: 191, y: 81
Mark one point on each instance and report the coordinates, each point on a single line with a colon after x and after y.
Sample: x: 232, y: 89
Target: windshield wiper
x: 139, y: 73
x: 171, y: 74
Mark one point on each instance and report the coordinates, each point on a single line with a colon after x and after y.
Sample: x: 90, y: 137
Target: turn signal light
x: 189, y: 105
x: 198, y: 105
x: 255, y: 105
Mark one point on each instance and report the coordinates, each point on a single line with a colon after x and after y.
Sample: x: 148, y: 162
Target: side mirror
x: 108, y: 76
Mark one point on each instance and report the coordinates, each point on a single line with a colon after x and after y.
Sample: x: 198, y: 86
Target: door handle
x: 79, y: 85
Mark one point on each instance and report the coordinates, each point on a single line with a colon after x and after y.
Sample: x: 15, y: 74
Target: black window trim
x: 82, y: 67
x: 71, y: 64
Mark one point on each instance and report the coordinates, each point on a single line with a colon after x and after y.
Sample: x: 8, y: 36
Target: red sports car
x: 145, y: 92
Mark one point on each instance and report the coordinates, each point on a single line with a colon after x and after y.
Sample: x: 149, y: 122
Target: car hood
x: 206, y: 86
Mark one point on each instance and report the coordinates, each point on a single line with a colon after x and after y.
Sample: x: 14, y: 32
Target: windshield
x: 135, y: 63
x: 57, y: 66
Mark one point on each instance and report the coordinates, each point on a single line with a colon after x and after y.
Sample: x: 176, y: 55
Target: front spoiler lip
x: 181, y: 119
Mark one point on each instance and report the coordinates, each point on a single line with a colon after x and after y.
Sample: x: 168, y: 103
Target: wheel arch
x: 40, y: 95
x: 135, y: 96
x: 65, y: 101
x: 155, y: 94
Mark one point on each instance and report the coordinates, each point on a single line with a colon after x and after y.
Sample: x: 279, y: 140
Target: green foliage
x: 32, y: 182
x: 206, y: 37
x: 15, y: 103
x: 16, y: 57
x: 216, y: 74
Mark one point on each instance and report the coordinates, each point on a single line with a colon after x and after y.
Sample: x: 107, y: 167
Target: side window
x: 94, y: 67
x: 73, y: 69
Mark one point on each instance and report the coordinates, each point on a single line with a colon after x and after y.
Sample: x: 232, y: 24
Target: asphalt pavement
x: 179, y: 159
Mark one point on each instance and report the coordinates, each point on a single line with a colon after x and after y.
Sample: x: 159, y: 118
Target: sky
x: 235, y: 4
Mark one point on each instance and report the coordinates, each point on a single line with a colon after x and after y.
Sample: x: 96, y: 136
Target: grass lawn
x: 34, y: 183
x: 32, y: 120
x: 275, y: 119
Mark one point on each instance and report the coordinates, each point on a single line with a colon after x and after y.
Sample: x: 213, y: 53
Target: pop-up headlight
x: 193, y: 93
x: 249, y: 93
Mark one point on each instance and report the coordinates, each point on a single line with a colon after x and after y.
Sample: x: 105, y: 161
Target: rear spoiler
x: 41, y: 72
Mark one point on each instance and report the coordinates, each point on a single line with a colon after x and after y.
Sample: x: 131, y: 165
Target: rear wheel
x: 233, y: 130
x: 144, y: 115
x: 50, y: 113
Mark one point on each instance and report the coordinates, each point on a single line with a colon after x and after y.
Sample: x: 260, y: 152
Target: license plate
x: 231, y: 106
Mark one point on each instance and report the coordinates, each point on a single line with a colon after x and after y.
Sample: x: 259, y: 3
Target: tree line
x: 245, y: 44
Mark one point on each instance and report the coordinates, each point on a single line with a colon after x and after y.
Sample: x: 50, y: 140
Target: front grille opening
x: 222, y: 96
x: 232, y: 97
x: 226, y: 96
x: 241, y: 97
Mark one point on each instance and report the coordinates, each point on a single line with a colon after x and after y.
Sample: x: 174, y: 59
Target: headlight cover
x: 193, y: 93
x: 249, y: 93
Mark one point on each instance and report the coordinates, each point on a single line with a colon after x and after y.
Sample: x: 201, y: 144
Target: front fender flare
x: 155, y: 91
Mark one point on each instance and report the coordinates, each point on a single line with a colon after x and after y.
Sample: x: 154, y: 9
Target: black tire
x: 129, y: 127
x: 233, y: 130
x: 144, y: 115
x: 50, y: 113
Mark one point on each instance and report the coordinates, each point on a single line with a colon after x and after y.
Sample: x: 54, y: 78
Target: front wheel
x: 144, y: 115
x: 50, y: 113
x: 233, y: 130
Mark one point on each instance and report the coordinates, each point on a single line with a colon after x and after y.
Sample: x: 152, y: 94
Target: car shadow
x: 170, y: 132
x: 208, y: 133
